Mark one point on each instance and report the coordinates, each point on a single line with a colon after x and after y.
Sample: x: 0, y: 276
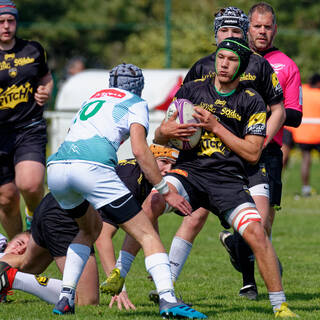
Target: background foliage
x: 109, y: 32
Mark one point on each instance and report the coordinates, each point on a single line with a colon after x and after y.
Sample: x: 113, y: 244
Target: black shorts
x: 212, y: 191
x: 287, y: 138
x: 52, y: 228
x: 257, y: 174
x: 272, y: 157
x: 27, y: 143
x: 309, y: 147
x: 120, y: 210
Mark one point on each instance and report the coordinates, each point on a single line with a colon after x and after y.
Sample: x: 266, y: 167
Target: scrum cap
x: 164, y: 152
x: 231, y: 17
x: 241, y: 49
x: 8, y: 7
x: 128, y: 77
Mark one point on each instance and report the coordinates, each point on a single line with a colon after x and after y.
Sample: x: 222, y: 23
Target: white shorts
x: 73, y: 182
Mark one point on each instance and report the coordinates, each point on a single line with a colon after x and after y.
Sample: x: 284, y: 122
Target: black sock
x: 245, y: 259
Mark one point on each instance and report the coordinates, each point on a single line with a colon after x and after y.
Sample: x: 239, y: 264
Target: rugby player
x: 26, y: 85
x: 82, y: 177
x: 53, y: 230
x: 217, y: 167
x: 261, y: 33
x: 259, y: 75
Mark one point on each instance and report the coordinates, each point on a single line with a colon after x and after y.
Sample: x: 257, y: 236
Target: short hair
x: 262, y: 7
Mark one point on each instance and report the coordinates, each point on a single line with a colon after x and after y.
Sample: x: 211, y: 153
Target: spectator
x: 307, y: 136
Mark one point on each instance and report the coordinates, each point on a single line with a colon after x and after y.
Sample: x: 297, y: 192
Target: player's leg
x: 244, y: 253
x: 90, y: 225
x: 87, y: 292
x: 154, y: 205
x: 139, y: 227
x: 30, y: 182
x: 34, y: 261
x: 105, y: 247
x: 305, y: 172
x: 158, y: 266
x: 30, y: 161
x: 10, y: 217
x: 246, y: 220
x: 182, y: 242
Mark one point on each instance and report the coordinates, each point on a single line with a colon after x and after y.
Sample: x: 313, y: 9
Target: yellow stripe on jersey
x: 257, y: 118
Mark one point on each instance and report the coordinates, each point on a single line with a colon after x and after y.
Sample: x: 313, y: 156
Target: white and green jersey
x: 100, y: 126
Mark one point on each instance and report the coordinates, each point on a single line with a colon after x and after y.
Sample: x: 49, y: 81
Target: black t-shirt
x: 21, y: 68
x: 242, y: 112
x: 259, y: 75
x: 132, y: 176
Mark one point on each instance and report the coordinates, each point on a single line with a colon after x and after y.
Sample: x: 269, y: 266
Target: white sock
x: 178, y: 254
x: 45, y: 288
x: 76, y: 259
x: 158, y: 267
x: 124, y: 262
x: 276, y: 299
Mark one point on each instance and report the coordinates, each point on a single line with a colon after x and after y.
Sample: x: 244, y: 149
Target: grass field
x: 208, y: 279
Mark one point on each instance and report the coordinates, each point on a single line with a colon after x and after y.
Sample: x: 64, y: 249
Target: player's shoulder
x: 249, y: 93
x: 207, y: 59
x: 258, y: 61
x: 280, y: 59
x: 29, y: 43
x: 196, y: 84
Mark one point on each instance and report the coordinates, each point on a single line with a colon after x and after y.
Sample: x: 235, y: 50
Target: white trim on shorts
x: 261, y: 189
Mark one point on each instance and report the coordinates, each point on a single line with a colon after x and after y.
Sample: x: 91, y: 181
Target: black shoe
x: 249, y: 291
x: 223, y: 235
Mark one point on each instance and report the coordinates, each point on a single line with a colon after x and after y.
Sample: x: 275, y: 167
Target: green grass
x: 208, y: 279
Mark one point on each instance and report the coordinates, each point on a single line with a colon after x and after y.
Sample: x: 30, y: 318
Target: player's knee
x: 9, y: 196
x: 193, y: 223
x: 30, y: 187
x: 255, y: 236
x: 154, y: 205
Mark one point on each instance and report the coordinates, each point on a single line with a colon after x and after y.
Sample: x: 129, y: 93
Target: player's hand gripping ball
x: 185, y: 110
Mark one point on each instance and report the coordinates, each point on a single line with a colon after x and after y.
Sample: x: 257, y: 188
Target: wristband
x: 162, y: 187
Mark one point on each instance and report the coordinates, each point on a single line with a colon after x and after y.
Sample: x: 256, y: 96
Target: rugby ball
x: 185, y: 110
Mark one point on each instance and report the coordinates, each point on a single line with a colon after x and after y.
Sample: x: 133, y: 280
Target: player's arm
x: 275, y: 121
x: 147, y: 163
x: 171, y: 129
x: 248, y: 148
x: 293, y: 118
x: 44, y: 89
x: 293, y: 99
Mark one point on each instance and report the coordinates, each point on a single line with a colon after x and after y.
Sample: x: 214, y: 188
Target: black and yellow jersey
x: 20, y: 71
x: 259, y: 76
x: 243, y: 112
x: 132, y: 176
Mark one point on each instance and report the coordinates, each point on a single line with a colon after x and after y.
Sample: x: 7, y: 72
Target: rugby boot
x: 114, y: 283
x: 178, y: 310
x: 249, y: 291
x: 223, y: 236
x: 154, y: 297
x: 284, y: 312
x: 7, y: 275
x: 63, y: 307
